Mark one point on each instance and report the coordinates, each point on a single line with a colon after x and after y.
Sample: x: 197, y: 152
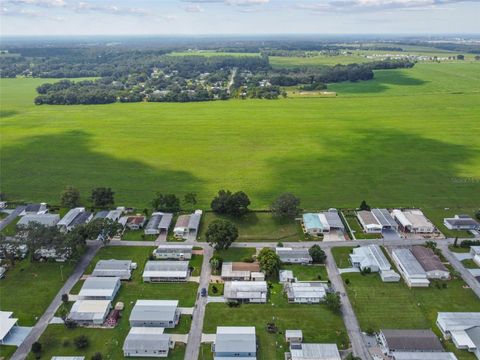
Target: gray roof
x: 154, y: 310
x: 474, y: 335
x: 289, y: 253
x: 173, y: 269
x: 81, y: 218
x: 42, y: 219
x: 410, y: 264
x: 33, y: 207
x: 113, y: 264
x: 333, y: 219
x: 146, y: 339
x: 452, y: 321
x: 194, y: 221
x: 245, y: 290
x: 173, y: 249
x: 235, y: 339
x: 94, y: 282
x: 70, y: 216
x: 315, y: 352
x: 418, y: 355
x: 411, y: 340
x: 68, y: 358
x: 461, y: 221
x: 384, y: 217
x: 101, y: 214
x: 427, y: 258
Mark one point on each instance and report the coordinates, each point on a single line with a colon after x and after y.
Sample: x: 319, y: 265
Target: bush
x: 279, y: 244
x: 319, y: 277
x: 66, y: 342
x: 214, y: 289
x: 81, y: 342
x: 248, y: 259
x: 233, y: 303
x: 36, y: 347
x: 468, y: 243
x: 97, y: 356
x: 70, y: 324
x: 65, y: 298
x: 347, y: 281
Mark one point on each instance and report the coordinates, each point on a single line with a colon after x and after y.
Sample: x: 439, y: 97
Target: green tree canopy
x: 228, y: 203
x: 221, y: 234
x: 317, y: 254
x: 286, y: 205
x: 166, y: 202
x: 102, y: 197
x: 364, y: 206
x: 269, y: 262
x: 70, y: 197
x: 333, y: 302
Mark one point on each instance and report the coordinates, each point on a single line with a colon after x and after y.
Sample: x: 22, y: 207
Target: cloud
x: 373, y: 5
x: 230, y: 2
x: 193, y: 8
x: 37, y: 3
x: 27, y: 13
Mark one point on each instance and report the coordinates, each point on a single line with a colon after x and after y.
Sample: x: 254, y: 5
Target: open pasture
x: 412, y: 132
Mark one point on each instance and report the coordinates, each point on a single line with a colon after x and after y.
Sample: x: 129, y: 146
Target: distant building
x: 463, y: 328
x: 187, y: 225
x: 242, y: 271
x: 155, y: 313
x: 165, y: 271
x: 413, y: 220
x: 158, y: 223
x: 42, y: 219
x: 99, y: 288
x: 306, y: 292
x: 461, y: 222
x: 114, y: 268
x: 372, y: 257
x: 393, y: 341
x: 73, y: 218
x: 293, y: 256
x: 236, y: 342
x: 90, y: 312
x: 173, y: 252
x: 147, y: 342
x: 246, y: 291
x: 410, y: 269
x: 313, y: 352
x: 34, y: 209
x: 431, y: 263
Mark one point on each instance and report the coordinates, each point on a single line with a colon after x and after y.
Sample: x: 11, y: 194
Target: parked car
x: 203, y: 292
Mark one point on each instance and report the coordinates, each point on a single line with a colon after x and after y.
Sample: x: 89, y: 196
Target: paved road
x: 195, y: 335
x: 466, y: 275
x: 4, y: 223
x: 351, y: 323
x: 45, y: 319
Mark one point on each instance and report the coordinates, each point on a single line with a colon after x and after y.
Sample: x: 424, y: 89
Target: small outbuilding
x: 293, y: 336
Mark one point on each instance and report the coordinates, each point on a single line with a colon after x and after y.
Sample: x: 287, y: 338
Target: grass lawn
x: 357, y: 227
x: 57, y: 340
x: 258, y: 226
x: 196, y: 263
x: 27, y: 278
x: 312, y: 147
x: 459, y: 249
x: 109, y: 342
x: 317, y: 322
x: 11, y: 229
x: 236, y: 254
x: 307, y: 272
x: 219, y: 287
x: 341, y: 256
x: 469, y: 264
x: 205, y: 352
x: 393, y: 305
x: 437, y: 216
x: 137, y: 235
x: 6, y: 351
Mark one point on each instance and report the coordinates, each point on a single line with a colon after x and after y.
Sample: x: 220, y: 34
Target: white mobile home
x: 246, y: 291
x: 236, y: 342
x: 293, y: 256
x: 173, y: 252
x: 147, y: 342
x: 99, y: 288
x: 155, y: 313
x: 166, y: 271
x: 410, y: 269
x: 306, y: 292
x: 114, y: 268
x: 90, y: 312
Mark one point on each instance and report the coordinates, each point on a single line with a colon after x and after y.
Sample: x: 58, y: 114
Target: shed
x: 293, y: 336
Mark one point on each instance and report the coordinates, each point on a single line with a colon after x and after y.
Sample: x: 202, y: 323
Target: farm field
x: 395, y: 131
x: 393, y: 305
x: 109, y: 341
x: 285, y: 316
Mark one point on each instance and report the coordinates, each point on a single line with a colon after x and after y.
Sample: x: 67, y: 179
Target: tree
x: 97, y: 356
x: 455, y: 242
x: 317, y: 254
x: 269, y: 262
x: 228, y: 203
x: 221, y: 234
x: 460, y: 57
x: 364, y: 206
x: 102, y: 197
x: 70, y: 197
x: 36, y: 347
x: 333, y: 302
x: 286, y: 205
x: 81, y: 342
x: 105, y: 228
x: 216, y: 262
x: 190, y: 199
x: 64, y: 298
x: 477, y: 214
x: 431, y: 245
x: 166, y: 202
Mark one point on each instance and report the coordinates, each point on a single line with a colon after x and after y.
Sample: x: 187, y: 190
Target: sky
x: 212, y: 17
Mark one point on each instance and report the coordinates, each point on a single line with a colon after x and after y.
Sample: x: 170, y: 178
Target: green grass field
x: 317, y: 322
x: 43, y: 280
x: 211, y: 53
x: 411, y: 132
x: 258, y: 226
x: 235, y: 254
x: 307, y: 273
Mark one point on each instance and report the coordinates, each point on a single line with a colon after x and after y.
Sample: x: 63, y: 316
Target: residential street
x: 44, y: 320
x: 4, y: 223
x: 195, y: 336
x: 351, y: 323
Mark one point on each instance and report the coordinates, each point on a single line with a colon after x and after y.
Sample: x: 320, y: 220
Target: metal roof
x: 194, y: 221
x: 233, y: 339
x: 99, y: 286
x: 70, y: 216
x: 315, y: 352
x: 371, y: 255
x: 42, y: 219
x: 173, y: 249
x: 182, y: 221
x: 411, y: 340
x: 89, y: 309
x: 384, y: 217
x: 154, y: 310
x: 166, y: 269
x: 427, y: 258
x: 306, y: 289
x: 333, y: 219
x: 451, y: 321
x: 401, y: 355
x: 245, y: 290
x: 368, y: 218
x: 6, y: 323
x: 409, y: 263
x: 81, y: 218
x: 146, y: 339
x: 101, y: 214
x: 289, y: 253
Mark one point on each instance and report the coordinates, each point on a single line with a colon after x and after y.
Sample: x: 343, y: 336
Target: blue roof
x: 312, y: 221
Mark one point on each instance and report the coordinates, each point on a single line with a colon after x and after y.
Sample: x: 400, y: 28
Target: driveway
x: 215, y: 299
x: 45, y: 319
x: 391, y: 235
x: 17, y: 335
x: 4, y: 223
x: 349, y: 270
x: 462, y: 256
